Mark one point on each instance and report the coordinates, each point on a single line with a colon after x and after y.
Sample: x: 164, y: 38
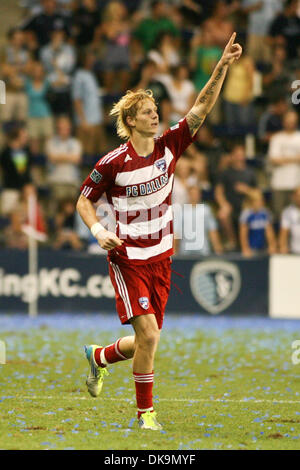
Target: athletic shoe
x: 148, y: 421
x: 96, y: 376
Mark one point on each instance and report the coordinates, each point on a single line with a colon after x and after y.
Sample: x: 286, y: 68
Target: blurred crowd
x: 67, y: 61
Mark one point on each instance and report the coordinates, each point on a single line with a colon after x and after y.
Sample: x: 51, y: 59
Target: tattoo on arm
x: 194, y: 122
x: 207, y: 98
x: 211, y: 88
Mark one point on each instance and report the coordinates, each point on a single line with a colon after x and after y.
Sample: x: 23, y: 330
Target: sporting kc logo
x: 215, y: 284
x: 161, y: 164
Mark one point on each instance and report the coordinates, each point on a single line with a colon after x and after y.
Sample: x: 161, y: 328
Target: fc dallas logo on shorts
x: 144, y: 302
x: 161, y: 164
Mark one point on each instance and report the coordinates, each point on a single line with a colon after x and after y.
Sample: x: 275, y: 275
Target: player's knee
x: 148, y: 339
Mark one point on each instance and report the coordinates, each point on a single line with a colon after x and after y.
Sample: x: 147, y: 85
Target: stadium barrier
x: 79, y: 282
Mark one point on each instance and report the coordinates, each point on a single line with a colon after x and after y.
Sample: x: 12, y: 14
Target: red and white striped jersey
x: 140, y: 189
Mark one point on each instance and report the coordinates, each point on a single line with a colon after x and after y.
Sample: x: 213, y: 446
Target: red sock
x: 109, y: 354
x: 143, y: 387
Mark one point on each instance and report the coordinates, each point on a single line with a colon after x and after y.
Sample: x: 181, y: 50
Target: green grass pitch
x: 214, y: 389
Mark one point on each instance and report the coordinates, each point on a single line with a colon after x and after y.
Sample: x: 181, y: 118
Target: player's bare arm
x: 107, y: 240
x: 209, y: 94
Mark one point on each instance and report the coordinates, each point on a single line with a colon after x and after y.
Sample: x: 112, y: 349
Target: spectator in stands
x: 238, y: 97
x: 256, y: 230
x: 149, y: 28
x: 284, y: 156
x: 233, y: 184
x: 197, y: 11
x: 16, y: 105
x: 289, y: 238
x: 35, y: 6
x: 277, y: 75
x: 58, y: 55
x: 194, y: 11
x: 15, y: 53
x: 260, y: 16
x: 65, y: 6
x: 14, y: 236
x: 285, y: 29
x: 181, y: 91
x: 42, y: 24
x: 65, y: 232
x: 133, y: 6
x: 15, y: 162
x: 59, y: 59
x: 88, y: 106
x: 199, y: 162
x: 148, y: 80
x: 199, y: 166
x: 115, y: 61
x: 86, y: 20
x: 165, y: 54
x: 64, y: 156
x: 204, y: 56
x: 208, y: 145
x: 182, y: 179
x: 195, y: 227
x: 40, y: 122
x: 218, y: 25
x: 270, y: 120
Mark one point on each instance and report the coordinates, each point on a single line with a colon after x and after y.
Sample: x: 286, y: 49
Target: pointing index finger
x: 231, y: 40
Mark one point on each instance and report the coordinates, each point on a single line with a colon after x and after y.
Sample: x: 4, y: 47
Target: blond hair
x: 252, y: 196
x: 128, y: 106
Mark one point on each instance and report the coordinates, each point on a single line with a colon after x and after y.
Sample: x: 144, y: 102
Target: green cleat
x: 96, y: 376
x: 148, y: 421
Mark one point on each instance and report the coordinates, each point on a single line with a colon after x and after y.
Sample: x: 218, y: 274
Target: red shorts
x: 142, y: 289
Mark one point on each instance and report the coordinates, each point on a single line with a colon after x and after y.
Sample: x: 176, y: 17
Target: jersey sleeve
x: 178, y: 138
x: 98, y: 181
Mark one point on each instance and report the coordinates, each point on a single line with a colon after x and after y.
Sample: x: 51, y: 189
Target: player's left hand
x: 232, y: 51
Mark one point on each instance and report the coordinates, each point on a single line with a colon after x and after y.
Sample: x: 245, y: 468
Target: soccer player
x: 137, y: 178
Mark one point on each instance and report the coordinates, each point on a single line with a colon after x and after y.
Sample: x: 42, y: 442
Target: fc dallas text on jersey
x: 139, y: 189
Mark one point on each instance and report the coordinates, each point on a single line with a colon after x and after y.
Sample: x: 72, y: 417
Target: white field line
x: 181, y: 400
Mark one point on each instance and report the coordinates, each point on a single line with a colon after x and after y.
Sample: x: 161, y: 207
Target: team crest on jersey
x: 144, y: 302
x: 161, y: 165
x: 96, y: 176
